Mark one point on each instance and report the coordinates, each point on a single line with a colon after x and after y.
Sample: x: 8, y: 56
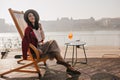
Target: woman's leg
x: 56, y: 53
x: 70, y: 70
x: 53, y: 51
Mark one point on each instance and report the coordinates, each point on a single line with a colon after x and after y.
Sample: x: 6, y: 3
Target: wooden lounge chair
x: 20, y: 24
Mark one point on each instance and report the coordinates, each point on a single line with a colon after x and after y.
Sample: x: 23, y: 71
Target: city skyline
x: 53, y: 9
x: 68, y: 24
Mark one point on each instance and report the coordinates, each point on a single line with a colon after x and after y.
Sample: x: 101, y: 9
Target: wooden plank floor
x: 98, y: 68
x: 109, y: 67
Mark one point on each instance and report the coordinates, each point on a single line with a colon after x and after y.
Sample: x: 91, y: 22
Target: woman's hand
x: 41, y: 42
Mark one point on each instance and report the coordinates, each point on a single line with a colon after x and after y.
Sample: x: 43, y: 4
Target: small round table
x: 76, y: 44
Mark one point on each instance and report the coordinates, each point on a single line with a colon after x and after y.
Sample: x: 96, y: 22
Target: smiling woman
x: 49, y: 48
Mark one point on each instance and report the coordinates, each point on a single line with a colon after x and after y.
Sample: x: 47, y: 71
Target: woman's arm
x: 25, y: 43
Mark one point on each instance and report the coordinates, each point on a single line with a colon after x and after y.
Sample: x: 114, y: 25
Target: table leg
x: 65, y: 51
x: 76, y: 55
x: 85, y: 56
x: 73, y: 56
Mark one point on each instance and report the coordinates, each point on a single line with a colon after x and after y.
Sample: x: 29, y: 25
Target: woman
x: 34, y: 34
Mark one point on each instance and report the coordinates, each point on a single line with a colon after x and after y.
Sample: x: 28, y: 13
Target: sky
x: 53, y: 9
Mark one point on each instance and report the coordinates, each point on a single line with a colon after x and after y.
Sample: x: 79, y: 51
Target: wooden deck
x: 108, y: 69
x: 98, y: 68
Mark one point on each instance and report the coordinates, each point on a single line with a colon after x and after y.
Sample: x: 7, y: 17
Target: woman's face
x: 31, y: 17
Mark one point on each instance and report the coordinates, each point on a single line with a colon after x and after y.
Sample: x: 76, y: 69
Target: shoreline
x: 91, y: 52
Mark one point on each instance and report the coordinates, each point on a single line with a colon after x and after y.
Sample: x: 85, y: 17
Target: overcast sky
x: 53, y: 9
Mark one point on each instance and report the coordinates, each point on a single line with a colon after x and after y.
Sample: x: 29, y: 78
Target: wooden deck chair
x: 20, y: 24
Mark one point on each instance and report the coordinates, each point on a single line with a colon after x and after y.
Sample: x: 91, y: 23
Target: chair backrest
x: 18, y: 18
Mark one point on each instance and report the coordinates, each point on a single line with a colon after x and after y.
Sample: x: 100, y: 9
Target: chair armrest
x: 35, y: 50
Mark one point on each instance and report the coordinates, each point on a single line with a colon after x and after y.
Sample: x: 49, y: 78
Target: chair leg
x: 37, y: 69
x: 15, y: 70
x: 39, y: 75
x: 19, y: 61
x: 1, y: 76
x: 45, y: 63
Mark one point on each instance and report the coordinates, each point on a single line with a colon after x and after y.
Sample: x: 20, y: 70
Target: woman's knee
x: 54, y: 42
